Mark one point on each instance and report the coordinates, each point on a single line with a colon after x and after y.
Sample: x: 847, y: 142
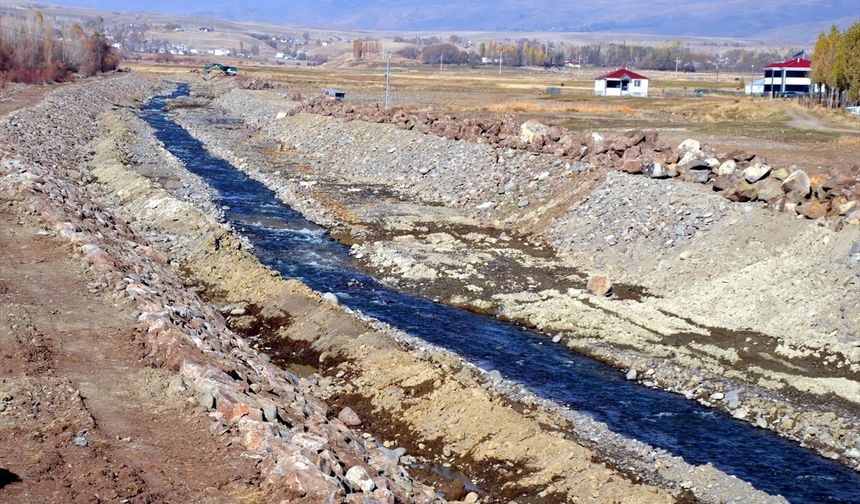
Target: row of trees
x: 669, y: 56
x: 836, y: 66
x: 34, y: 51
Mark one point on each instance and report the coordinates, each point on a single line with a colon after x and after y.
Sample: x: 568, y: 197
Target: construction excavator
x: 226, y: 70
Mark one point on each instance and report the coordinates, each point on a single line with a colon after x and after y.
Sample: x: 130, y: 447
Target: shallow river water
x: 296, y: 248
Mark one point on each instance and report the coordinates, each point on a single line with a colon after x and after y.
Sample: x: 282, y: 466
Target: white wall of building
x: 615, y: 87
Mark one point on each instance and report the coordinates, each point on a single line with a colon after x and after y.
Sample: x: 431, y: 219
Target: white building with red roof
x: 621, y: 82
x: 790, y: 77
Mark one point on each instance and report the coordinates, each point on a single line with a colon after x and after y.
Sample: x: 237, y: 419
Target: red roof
x: 620, y: 73
x: 792, y: 63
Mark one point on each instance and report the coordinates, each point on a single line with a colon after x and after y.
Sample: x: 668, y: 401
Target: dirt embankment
x: 713, y: 299
x: 262, y: 434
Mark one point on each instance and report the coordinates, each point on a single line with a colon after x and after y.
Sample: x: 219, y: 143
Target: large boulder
x: 728, y: 167
x: 768, y: 189
x: 690, y: 145
x: 813, y: 209
x: 599, y: 285
x: 797, y: 186
x: 532, y: 128
x: 756, y: 172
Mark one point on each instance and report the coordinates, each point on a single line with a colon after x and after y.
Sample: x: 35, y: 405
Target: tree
x: 449, y: 54
x: 848, y: 61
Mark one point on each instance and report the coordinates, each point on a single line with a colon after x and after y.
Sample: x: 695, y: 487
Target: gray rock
x: 523, y: 203
x: 177, y: 385
x: 81, y: 438
x: 728, y: 167
x: 756, y: 172
x: 655, y: 170
x: 690, y: 145
x: 328, y: 297
x: 696, y: 164
x: 207, y: 400
x: 270, y: 412
x: 631, y: 374
x: 732, y: 399
x: 797, y: 185
x: 358, y: 478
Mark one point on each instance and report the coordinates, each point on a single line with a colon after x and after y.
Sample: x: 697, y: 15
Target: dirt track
x: 70, y: 369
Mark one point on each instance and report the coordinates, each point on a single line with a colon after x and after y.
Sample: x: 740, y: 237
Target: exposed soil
x: 83, y: 418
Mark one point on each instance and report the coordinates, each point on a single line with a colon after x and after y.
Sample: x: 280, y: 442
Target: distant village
x: 768, y: 72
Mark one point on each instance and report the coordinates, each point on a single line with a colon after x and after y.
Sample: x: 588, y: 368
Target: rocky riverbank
x: 699, y: 260
x: 382, y: 372
x: 304, y: 452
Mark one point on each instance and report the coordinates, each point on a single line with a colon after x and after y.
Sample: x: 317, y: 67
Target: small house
x: 621, y: 82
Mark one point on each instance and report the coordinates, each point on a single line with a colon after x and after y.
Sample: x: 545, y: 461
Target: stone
x: 756, y: 172
x: 812, y: 209
x: 768, y: 189
x: 358, y: 478
x: 530, y: 129
x: 655, y: 170
x: 176, y: 385
x: 633, y: 166
x: 599, y: 285
x: 81, y: 438
x: 270, y: 412
x: 695, y: 164
x: 697, y: 176
x: 349, y: 417
x: 454, y: 490
x: 207, y: 400
x: 780, y: 173
x: 690, y: 145
x: 728, y: 167
x: 631, y: 374
x: 732, y: 399
x: 424, y: 170
x: 471, y: 498
x: 797, y: 186
x: 723, y: 182
x: 524, y: 202
x: 329, y: 297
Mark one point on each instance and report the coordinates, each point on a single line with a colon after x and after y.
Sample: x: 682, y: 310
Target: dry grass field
x: 785, y: 131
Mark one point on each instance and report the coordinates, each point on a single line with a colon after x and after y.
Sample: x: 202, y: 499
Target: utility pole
x: 388, y: 82
x: 441, y: 56
x: 677, y: 62
x: 500, y: 62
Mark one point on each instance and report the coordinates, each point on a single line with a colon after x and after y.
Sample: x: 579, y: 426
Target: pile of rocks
x: 742, y: 176
x: 737, y: 175
x: 306, y: 453
x: 612, y: 216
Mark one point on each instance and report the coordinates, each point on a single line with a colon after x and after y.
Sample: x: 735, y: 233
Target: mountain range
x: 794, y: 19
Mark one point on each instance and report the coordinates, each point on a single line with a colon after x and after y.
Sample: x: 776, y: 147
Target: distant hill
x: 794, y: 20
